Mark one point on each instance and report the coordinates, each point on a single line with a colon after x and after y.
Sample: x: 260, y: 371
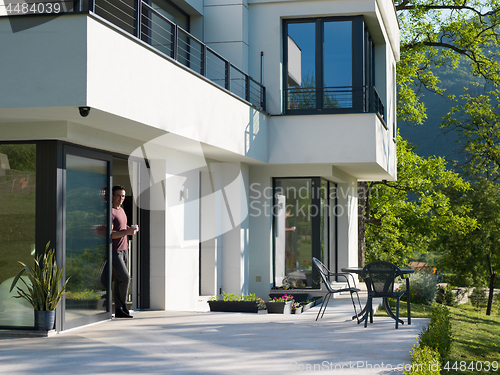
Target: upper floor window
x: 329, y: 65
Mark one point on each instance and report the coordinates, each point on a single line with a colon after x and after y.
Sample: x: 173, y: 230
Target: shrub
x: 445, y: 295
x: 424, y: 360
x: 423, y: 287
x: 438, y: 334
x: 478, y: 297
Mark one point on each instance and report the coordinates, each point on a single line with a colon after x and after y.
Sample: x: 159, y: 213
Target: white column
x: 226, y: 30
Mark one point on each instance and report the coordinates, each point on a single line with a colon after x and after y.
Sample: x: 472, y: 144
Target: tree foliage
x: 22, y: 157
x: 412, y: 213
x: 464, y: 255
x: 437, y: 33
x: 477, y: 122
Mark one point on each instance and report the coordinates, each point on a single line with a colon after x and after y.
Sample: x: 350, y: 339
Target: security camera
x: 84, y: 111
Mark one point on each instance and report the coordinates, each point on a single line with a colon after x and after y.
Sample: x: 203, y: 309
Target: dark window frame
x: 50, y: 212
x: 363, y: 66
x: 316, y: 228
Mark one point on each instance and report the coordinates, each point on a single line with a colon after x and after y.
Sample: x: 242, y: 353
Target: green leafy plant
x: 423, y: 287
x: 438, y: 335
x: 43, y: 287
x: 283, y: 298
x: 226, y: 296
x: 424, y: 360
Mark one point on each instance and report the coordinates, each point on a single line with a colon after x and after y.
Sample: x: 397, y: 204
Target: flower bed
x: 280, y: 305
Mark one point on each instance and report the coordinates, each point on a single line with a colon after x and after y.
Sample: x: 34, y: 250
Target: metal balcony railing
x: 148, y: 24
x: 152, y: 27
x: 344, y: 99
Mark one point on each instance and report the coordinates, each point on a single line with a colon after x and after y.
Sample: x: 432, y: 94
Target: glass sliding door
x: 87, y: 212
x: 297, y: 229
x: 17, y: 228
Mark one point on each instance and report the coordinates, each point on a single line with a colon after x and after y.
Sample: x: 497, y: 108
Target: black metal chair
x: 325, y: 276
x: 379, y: 277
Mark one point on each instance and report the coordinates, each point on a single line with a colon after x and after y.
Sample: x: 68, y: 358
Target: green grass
x: 476, y: 337
x: 417, y: 310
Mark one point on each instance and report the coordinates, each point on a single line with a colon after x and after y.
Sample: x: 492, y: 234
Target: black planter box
x: 234, y: 306
x: 279, y: 307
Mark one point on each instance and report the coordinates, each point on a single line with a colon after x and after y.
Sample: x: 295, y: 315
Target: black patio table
x: 385, y: 300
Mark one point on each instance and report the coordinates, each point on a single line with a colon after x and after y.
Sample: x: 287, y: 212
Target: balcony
x: 146, y: 24
x: 331, y: 100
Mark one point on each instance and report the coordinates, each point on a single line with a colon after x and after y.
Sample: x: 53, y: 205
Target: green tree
x: 411, y: 214
x: 439, y: 33
x: 477, y: 122
x: 464, y: 255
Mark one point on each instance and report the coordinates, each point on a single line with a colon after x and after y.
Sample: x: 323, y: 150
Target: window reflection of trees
x: 86, y: 248
x: 304, y: 96
x: 17, y: 226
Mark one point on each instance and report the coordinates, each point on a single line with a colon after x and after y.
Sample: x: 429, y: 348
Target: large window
x: 303, y: 228
x: 17, y: 228
x: 329, y: 66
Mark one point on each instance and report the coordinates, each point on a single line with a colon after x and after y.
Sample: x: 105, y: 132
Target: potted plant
x: 280, y: 305
x: 297, y: 308
x: 42, y: 291
x: 235, y: 303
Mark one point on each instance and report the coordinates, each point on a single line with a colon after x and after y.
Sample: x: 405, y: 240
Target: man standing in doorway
x: 120, y: 252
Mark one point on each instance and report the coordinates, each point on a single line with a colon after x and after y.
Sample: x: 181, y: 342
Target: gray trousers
x: 121, y: 278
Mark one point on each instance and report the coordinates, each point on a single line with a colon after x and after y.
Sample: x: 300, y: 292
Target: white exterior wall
x: 175, y: 234
x: 226, y: 30
x: 348, y: 224
x: 141, y: 99
x: 359, y: 143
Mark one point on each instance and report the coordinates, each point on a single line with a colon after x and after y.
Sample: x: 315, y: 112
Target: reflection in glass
x: 337, y: 62
x: 17, y: 227
x: 86, y: 236
x: 301, y: 66
x: 298, y: 211
x: 320, y: 64
x: 325, y: 207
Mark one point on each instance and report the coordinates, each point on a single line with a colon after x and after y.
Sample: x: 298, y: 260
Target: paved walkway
x: 166, y: 342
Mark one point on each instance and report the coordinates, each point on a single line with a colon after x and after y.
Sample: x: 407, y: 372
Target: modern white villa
x: 240, y: 130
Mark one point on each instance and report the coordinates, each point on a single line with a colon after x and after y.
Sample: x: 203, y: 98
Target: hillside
x: 429, y: 138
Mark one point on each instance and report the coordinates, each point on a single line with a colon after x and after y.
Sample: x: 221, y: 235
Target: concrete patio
x: 167, y: 342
